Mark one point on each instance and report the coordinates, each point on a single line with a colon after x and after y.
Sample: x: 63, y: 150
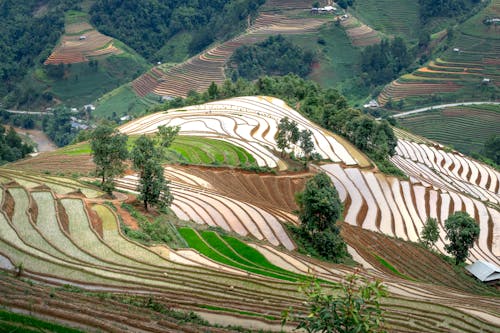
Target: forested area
x: 27, y: 36
x: 58, y: 127
x: 12, y: 147
x: 326, y: 107
x: 274, y: 56
x: 444, y: 8
x: 147, y: 25
x: 383, y: 62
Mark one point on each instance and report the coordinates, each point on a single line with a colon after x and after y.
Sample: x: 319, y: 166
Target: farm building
x: 484, y: 271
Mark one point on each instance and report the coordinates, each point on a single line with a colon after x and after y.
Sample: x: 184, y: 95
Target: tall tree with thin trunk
x: 109, y: 151
x: 430, y: 232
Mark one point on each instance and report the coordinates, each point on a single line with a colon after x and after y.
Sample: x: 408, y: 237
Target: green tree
x: 153, y: 187
x: 306, y: 144
x: 353, y: 306
x: 166, y: 135
x: 288, y: 134
x: 319, y: 210
x: 492, y: 148
x: 109, y: 151
x: 430, y: 232
x: 461, y: 230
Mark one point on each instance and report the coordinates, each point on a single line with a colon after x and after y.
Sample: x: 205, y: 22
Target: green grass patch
x: 14, y: 322
x: 197, y: 243
x: 393, y: 269
x: 246, y: 313
x: 121, y: 101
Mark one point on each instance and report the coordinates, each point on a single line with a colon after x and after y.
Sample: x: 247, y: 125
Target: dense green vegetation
x: 383, y: 62
x: 12, y: 147
x: 444, y: 8
x: 274, y: 56
x: 15, y: 322
x: 26, y: 38
x: 58, y: 127
x: 148, y: 25
x: 462, y: 231
x: 319, y: 210
x: 159, y: 230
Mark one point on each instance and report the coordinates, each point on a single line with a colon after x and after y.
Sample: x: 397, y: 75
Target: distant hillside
x: 466, y: 67
x: 147, y: 26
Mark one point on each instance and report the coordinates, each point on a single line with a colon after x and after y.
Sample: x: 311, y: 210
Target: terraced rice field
x: 250, y: 123
x: 391, y: 17
x: 63, y: 238
x: 80, y: 43
x: 200, y: 71
x: 459, y: 72
x: 359, y: 33
x: 464, y: 128
x: 400, y: 208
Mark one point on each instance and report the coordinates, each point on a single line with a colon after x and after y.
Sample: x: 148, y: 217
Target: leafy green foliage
x: 109, y: 151
x: 26, y: 39
x: 160, y: 230
x: 146, y: 159
x: 288, y: 134
x: 383, y: 62
x: 148, y: 25
x: 319, y: 210
x: 58, y: 127
x: 353, y: 307
x: 274, y: 56
x: 430, y: 232
x: 12, y: 147
x: 492, y: 148
x: 462, y: 231
x: 444, y: 8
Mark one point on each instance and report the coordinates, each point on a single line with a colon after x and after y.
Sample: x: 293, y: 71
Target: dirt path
x: 41, y: 139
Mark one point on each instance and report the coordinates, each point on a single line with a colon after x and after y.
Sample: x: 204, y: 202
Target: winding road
x: 442, y: 106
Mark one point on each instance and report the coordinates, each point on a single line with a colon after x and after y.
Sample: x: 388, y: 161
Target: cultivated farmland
x: 467, y: 70
x: 81, y: 42
x: 198, y: 72
x: 61, y: 238
x: 465, y: 128
x: 250, y: 123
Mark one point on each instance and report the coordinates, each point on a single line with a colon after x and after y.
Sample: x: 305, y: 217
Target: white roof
x: 484, y: 271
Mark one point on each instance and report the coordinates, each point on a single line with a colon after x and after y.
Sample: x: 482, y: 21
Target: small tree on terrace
x: 461, y: 230
x: 147, y: 156
x: 430, y: 232
x: 109, y: 151
x: 288, y: 134
x: 352, y: 307
x: 306, y: 144
x: 319, y: 210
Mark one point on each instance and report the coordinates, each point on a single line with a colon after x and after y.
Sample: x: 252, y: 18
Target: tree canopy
x: 109, y: 151
x: 353, y: 307
x: 430, y: 232
x: 12, y: 147
x: 274, y: 56
x: 147, y: 25
x: 319, y: 210
x: 462, y: 231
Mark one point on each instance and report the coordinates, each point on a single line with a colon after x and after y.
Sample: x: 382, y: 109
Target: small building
x: 486, y: 80
x: 484, y: 271
x: 125, y: 118
x: 372, y: 104
x: 456, y: 49
x: 82, y: 37
x: 89, y: 107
